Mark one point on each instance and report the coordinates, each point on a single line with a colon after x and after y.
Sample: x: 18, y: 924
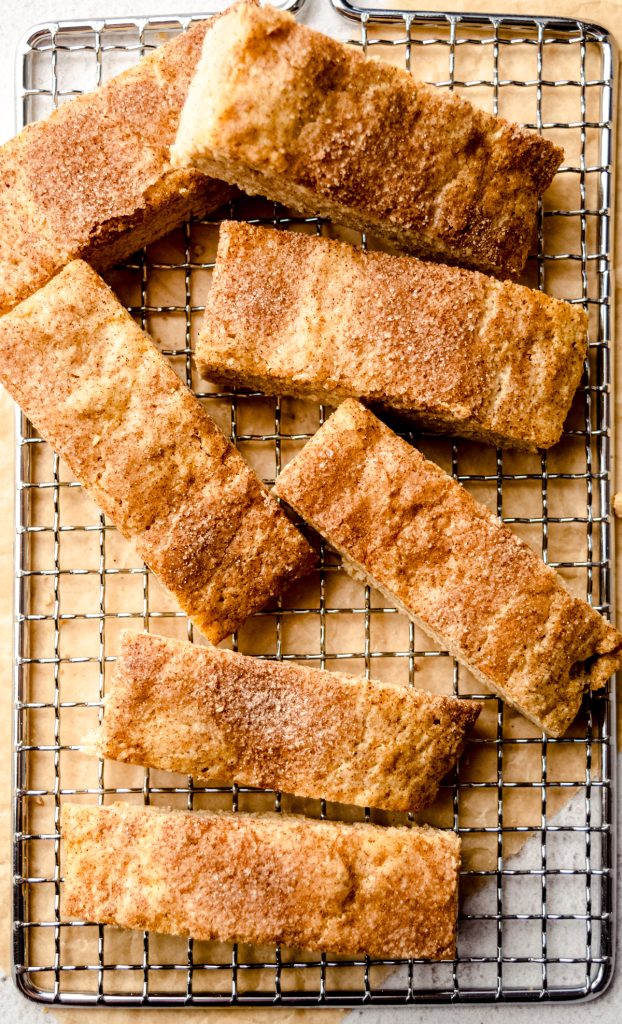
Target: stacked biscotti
x: 253, y: 100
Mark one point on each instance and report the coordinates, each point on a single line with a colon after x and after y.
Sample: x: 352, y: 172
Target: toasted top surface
x: 87, y: 171
x: 293, y: 106
x: 350, y: 888
x: 438, y: 341
x: 450, y: 562
x: 96, y: 387
x: 223, y: 716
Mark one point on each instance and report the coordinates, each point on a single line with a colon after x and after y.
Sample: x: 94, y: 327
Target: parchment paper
x: 390, y: 633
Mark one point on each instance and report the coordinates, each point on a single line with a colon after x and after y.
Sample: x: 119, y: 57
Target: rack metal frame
x: 594, y: 822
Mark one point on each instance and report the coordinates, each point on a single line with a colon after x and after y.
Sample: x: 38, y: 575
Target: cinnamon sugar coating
x: 221, y: 716
x: 452, y: 350
x: 99, y: 391
x: 263, y: 878
x: 94, y: 179
x: 284, y: 111
x: 481, y: 593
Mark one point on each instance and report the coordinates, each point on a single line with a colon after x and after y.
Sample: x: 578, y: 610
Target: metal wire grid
x: 512, y: 903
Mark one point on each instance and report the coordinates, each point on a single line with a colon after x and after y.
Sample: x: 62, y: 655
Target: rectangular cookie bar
x: 287, y: 112
x: 452, y: 350
x: 221, y: 716
x: 99, y: 391
x: 263, y: 878
x: 94, y: 179
x: 406, y: 527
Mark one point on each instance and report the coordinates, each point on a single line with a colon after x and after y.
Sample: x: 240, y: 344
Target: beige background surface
x: 609, y: 14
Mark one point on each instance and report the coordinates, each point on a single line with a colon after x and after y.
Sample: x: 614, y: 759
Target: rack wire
x: 536, y: 815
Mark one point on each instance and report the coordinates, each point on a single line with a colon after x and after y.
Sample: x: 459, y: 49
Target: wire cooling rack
x: 535, y: 815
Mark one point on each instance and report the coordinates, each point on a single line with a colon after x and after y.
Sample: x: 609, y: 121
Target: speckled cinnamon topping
x: 289, y: 113
x: 263, y: 878
x: 452, y: 350
x: 99, y: 391
x: 221, y: 716
x: 94, y: 179
x: 473, y: 586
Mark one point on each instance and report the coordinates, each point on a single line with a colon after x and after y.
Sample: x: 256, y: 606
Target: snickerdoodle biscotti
x: 221, y: 716
x: 94, y: 179
x: 99, y: 391
x: 452, y: 350
x: 263, y: 878
x: 286, y: 112
x: 404, y: 525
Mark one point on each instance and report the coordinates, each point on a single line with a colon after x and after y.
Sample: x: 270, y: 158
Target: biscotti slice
x: 224, y: 717
x: 263, y: 878
x: 284, y: 111
x: 94, y: 180
x: 404, y: 525
x: 452, y: 350
x: 99, y: 391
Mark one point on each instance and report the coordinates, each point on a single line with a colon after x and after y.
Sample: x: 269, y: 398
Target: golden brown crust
x: 263, y: 878
x: 453, y: 567
x: 96, y: 387
x: 450, y: 349
x: 289, y: 113
x: 94, y: 180
x: 220, y: 716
